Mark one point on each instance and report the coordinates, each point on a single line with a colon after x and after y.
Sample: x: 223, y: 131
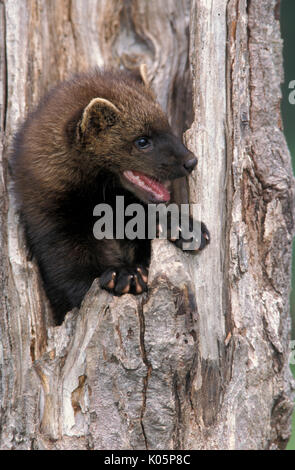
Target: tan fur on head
x: 98, y: 113
x: 103, y: 110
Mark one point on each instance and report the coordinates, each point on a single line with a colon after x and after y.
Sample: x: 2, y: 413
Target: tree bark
x: 201, y: 361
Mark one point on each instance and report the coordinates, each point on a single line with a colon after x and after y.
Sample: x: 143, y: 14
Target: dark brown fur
x: 69, y: 156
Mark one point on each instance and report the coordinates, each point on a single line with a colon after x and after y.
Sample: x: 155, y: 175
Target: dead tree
x: 201, y: 362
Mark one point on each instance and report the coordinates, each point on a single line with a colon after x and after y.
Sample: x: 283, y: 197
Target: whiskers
x: 108, y: 184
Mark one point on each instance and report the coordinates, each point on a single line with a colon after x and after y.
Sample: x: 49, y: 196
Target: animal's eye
x: 143, y: 142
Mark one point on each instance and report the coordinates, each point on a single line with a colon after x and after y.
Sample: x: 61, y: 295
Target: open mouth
x: 155, y: 189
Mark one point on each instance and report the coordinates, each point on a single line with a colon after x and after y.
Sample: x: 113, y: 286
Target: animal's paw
x: 126, y: 280
x: 199, y: 239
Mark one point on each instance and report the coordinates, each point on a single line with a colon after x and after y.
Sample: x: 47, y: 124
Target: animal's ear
x: 98, y: 115
x: 143, y: 75
x: 140, y: 72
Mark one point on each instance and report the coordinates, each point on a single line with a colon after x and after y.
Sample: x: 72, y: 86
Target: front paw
x: 195, y: 239
x: 125, y: 280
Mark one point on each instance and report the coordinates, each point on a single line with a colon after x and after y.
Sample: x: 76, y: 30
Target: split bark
x: 201, y: 362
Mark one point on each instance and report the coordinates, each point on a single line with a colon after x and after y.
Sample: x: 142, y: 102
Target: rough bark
x: 201, y: 361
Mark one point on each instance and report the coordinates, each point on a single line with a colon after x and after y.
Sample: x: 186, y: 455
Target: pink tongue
x: 146, y: 183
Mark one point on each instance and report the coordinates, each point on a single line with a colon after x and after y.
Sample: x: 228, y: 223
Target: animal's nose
x: 190, y: 164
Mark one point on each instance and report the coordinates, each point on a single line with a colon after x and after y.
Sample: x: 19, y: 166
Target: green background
x: 288, y: 111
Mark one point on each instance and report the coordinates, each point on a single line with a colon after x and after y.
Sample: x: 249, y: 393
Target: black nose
x: 190, y: 164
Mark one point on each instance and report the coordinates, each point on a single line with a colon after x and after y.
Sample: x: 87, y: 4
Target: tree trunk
x: 201, y: 361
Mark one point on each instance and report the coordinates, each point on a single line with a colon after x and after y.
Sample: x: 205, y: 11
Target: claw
x: 131, y: 280
x: 144, y: 276
x: 111, y: 284
x: 138, y: 287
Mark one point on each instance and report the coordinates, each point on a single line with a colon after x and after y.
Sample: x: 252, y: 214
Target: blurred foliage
x: 291, y: 444
x: 288, y: 112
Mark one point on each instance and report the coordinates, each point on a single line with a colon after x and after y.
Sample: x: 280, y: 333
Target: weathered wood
x: 201, y: 361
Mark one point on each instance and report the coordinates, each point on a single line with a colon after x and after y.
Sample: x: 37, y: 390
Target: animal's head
x: 130, y: 135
